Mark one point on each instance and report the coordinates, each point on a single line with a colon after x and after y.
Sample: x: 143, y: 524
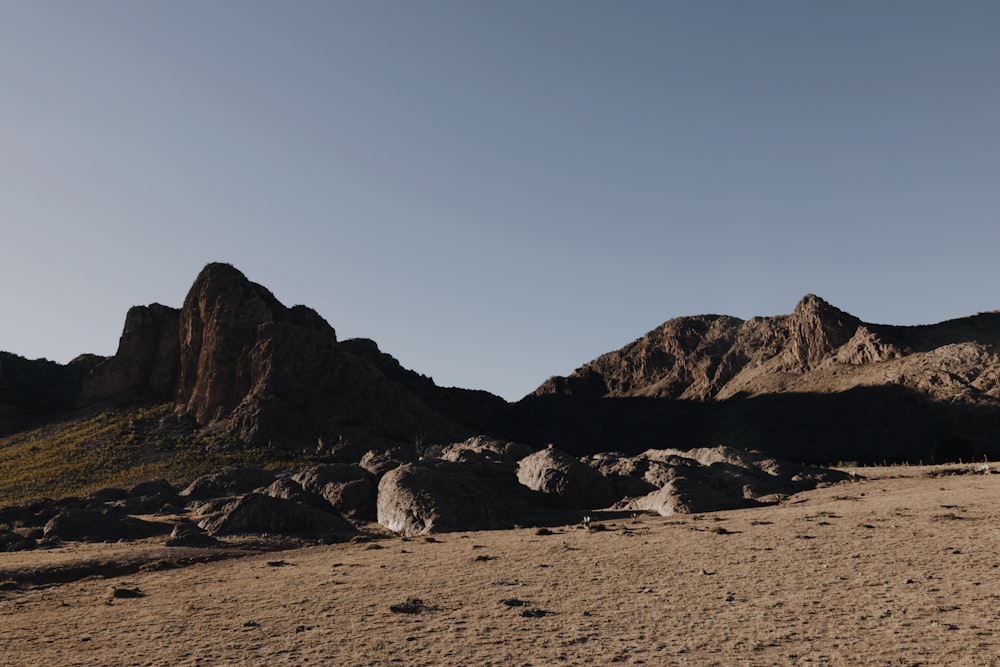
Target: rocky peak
x: 811, y: 303
x: 696, y: 357
x: 218, y: 326
x: 817, y: 329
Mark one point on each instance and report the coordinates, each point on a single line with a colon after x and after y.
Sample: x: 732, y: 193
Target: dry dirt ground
x: 900, y: 569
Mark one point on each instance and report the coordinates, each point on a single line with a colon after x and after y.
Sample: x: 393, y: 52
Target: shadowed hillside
x: 817, y: 385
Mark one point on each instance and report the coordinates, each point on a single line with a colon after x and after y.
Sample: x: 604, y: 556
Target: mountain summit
x: 817, y: 348
x: 237, y: 361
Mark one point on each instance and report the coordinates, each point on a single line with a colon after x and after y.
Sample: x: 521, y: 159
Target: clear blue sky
x: 497, y: 191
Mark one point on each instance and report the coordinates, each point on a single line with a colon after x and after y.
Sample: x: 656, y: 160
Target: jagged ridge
x: 817, y: 348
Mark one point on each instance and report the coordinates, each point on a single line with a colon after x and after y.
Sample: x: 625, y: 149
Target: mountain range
x: 241, y: 370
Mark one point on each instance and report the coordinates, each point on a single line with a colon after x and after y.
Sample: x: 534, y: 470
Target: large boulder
x: 481, y: 450
x: 627, y: 474
x: 153, y: 487
x: 688, y: 496
x: 349, y: 489
x: 188, y: 534
x: 287, y: 488
x: 257, y: 513
x: 565, y: 480
x: 100, y: 525
x: 436, y: 496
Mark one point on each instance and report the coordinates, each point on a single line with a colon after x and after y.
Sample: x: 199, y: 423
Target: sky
x: 496, y: 191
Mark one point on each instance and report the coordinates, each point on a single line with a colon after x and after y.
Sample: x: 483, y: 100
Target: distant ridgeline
x: 818, y: 385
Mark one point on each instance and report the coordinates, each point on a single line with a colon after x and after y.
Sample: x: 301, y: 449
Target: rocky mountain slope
x: 818, y: 348
x: 248, y: 371
x: 818, y: 384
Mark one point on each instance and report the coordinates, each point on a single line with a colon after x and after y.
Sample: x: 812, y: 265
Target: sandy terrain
x: 900, y: 569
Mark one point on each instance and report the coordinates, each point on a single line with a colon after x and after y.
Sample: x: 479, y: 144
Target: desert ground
x: 901, y: 568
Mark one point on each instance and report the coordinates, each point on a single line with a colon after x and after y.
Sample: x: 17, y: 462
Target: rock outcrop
x: 146, y: 363
x: 253, y: 372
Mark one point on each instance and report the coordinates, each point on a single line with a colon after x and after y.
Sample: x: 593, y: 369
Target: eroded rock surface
x: 258, y: 513
x: 564, y: 479
x: 436, y: 496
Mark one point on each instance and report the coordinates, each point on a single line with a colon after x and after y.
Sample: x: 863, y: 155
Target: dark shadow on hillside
x: 865, y: 424
x: 983, y: 328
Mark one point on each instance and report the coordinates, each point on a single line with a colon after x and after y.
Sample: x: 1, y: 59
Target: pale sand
x: 889, y: 571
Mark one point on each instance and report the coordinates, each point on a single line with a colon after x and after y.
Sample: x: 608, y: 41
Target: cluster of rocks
x: 108, y: 515
x: 235, y: 501
x: 478, y: 484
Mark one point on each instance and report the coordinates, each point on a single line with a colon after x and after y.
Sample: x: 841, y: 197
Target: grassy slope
x: 117, y: 447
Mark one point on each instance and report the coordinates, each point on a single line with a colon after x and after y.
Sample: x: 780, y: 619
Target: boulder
x: 94, y: 525
x: 685, y: 495
x: 481, y: 449
x: 257, y: 513
x: 443, y: 496
x: 46, y: 509
x: 14, y: 541
x: 349, y: 489
x: 156, y: 504
x: 108, y: 495
x: 379, y: 462
x: 189, y: 534
x: 287, y: 488
x: 565, y: 480
x: 153, y: 487
x: 626, y: 473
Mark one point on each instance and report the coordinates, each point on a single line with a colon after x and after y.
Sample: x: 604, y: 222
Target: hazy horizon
x: 496, y: 192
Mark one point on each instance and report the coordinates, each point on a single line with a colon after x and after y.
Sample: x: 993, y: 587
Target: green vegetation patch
x: 117, y: 447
